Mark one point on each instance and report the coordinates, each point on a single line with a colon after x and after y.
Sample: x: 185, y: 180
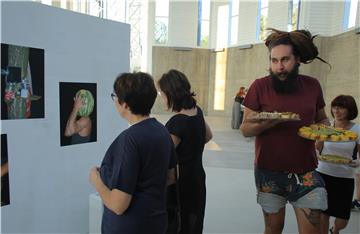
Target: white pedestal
x: 95, y: 213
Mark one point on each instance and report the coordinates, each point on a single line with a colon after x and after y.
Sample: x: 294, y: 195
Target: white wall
x: 49, y: 185
x: 322, y: 17
x: 357, y: 21
x: 278, y: 14
x: 213, y: 23
x: 183, y: 25
x: 248, y: 11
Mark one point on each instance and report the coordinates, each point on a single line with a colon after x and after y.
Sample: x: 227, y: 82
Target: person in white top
x: 339, y: 178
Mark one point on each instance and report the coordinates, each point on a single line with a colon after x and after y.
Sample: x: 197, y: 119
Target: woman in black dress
x: 189, y: 132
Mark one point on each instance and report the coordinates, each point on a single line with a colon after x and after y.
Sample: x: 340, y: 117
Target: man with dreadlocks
x: 285, y: 163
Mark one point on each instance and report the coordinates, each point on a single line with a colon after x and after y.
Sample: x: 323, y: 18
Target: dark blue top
x: 137, y: 163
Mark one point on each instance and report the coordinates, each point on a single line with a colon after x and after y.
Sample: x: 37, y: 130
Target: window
x: 116, y: 10
x: 221, y: 57
x: 161, y: 21
x: 75, y: 6
x: 294, y: 8
x: 63, y: 4
x: 203, y: 23
x: 222, y: 26
x: 262, y: 19
x: 47, y: 2
x: 95, y: 8
x: 350, y: 10
x: 220, y: 80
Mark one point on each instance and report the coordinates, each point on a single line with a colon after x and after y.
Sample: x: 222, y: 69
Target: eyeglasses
x: 113, y: 96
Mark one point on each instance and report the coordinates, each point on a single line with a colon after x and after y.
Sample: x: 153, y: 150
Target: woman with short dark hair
x: 134, y: 173
x: 339, y: 178
x: 189, y: 132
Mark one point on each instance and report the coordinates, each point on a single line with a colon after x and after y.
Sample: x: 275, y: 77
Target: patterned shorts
x: 275, y: 189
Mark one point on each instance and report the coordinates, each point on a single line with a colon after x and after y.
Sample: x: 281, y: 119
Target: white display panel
x: 49, y: 184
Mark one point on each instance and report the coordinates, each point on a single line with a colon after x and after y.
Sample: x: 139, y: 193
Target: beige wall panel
x: 344, y: 77
x: 244, y: 66
x: 318, y: 69
x: 193, y: 63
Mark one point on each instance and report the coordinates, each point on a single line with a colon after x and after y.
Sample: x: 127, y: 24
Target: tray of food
x: 286, y: 116
x: 334, y: 159
x: 323, y: 132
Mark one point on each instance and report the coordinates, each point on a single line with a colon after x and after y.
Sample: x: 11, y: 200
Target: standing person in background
x: 339, y: 178
x: 237, y: 111
x: 189, y: 132
x: 285, y: 162
x: 240, y: 95
x: 134, y: 173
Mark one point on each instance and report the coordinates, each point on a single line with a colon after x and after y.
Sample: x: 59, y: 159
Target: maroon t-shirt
x: 280, y: 148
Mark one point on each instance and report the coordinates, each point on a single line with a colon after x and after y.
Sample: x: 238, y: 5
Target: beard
x: 289, y: 84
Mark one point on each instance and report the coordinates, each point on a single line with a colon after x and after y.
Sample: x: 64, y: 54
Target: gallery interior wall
x: 49, y: 188
x: 245, y: 65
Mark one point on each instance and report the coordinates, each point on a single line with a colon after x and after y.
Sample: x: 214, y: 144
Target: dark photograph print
x: 77, y: 113
x: 5, y: 188
x: 22, y: 82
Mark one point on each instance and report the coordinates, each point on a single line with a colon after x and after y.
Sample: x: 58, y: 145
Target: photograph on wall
x: 5, y: 188
x: 22, y: 82
x: 77, y: 113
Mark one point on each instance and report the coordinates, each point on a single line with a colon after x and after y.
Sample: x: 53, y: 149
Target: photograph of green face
x: 22, y: 82
x: 77, y: 113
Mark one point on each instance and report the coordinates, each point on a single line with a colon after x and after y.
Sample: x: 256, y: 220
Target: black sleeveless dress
x: 191, y: 182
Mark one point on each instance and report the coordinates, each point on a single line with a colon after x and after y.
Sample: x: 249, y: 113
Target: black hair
x: 175, y: 85
x: 347, y: 102
x: 137, y: 90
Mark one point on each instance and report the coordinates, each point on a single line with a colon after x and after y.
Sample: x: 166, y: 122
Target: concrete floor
x: 231, y: 202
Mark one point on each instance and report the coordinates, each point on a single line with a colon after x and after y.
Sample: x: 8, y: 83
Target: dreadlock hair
x: 300, y: 40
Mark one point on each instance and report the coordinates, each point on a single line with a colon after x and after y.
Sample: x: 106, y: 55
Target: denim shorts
x: 275, y: 189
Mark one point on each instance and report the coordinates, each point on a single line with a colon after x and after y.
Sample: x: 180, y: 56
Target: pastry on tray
x: 334, y: 159
x: 323, y: 132
x: 276, y: 115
